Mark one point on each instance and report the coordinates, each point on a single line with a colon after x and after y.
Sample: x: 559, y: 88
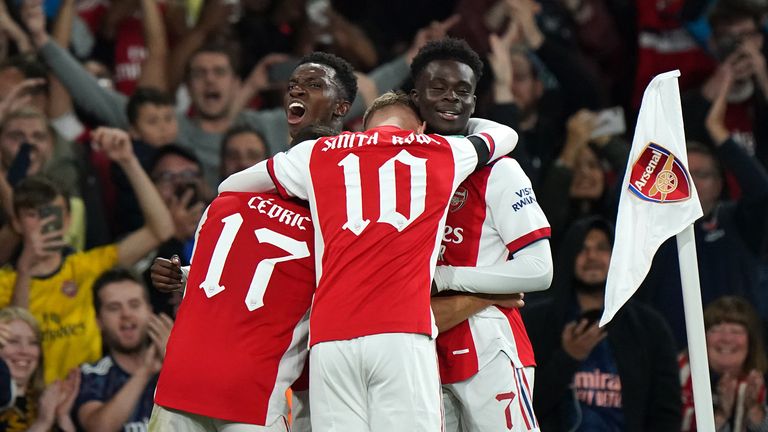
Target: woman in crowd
x: 37, y: 408
x: 737, y: 364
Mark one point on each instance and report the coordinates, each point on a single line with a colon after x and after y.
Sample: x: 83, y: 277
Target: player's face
x: 588, y: 181
x: 706, y: 178
x: 242, y: 151
x: 213, y: 84
x: 124, y: 315
x: 593, y: 260
x: 727, y: 347
x: 313, y: 98
x: 445, y: 95
x: 21, y: 352
x: 156, y: 125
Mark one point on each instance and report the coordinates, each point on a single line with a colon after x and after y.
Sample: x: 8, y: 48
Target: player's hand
x: 33, y: 16
x: 116, y: 143
x: 580, y: 338
x: 510, y: 301
x: 434, y: 31
x: 152, y: 361
x: 166, y: 274
x: 159, y: 330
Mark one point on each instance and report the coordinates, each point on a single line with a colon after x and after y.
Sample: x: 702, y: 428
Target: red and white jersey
x: 492, y: 215
x: 240, y: 337
x: 378, y: 201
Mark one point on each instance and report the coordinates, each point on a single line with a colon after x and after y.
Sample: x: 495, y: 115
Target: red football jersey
x: 378, y: 201
x: 240, y: 335
x: 493, y: 214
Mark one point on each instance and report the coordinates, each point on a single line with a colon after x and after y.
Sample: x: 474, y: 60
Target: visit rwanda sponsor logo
x: 658, y: 176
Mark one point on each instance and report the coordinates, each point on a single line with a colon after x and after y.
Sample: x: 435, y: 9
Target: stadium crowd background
x: 197, y: 87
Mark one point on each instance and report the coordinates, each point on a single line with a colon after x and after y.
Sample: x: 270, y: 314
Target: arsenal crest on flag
x: 658, y: 176
x: 658, y: 198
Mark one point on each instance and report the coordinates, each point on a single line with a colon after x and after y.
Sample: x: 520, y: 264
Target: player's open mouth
x: 448, y: 115
x: 212, y: 96
x: 296, y: 111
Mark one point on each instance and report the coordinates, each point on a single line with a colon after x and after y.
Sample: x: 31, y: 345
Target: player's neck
x: 590, y: 301
x: 394, y: 121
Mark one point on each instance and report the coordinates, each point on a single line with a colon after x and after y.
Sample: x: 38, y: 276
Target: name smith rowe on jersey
x: 275, y: 211
x: 359, y: 139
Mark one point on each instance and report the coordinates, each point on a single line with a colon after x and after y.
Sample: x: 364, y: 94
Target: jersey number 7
x: 254, y: 299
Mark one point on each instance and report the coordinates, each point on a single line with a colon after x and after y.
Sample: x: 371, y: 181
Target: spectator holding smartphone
x: 53, y: 282
x: 621, y: 377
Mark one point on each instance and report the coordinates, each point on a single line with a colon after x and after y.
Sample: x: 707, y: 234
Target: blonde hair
x: 26, y: 113
x: 37, y: 382
x: 388, y: 99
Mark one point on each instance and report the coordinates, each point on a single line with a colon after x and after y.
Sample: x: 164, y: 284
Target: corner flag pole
x: 694, y: 325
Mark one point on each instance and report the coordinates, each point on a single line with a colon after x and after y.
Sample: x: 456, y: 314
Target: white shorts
x: 300, y: 411
x: 497, y: 398
x: 379, y: 383
x: 170, y: 420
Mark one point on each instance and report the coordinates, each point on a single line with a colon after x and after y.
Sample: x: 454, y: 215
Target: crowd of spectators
x: 118, y: 119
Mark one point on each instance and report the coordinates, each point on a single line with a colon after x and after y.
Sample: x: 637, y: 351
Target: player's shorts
x: 379, y: 383
x: 300, y: 411
x: 497, y: 398
x: 170, y: 420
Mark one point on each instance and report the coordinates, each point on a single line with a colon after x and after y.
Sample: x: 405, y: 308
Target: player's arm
x: 452, y: 310
x: 285, y: 173
x: 529, y: 270
x: 491, y: 140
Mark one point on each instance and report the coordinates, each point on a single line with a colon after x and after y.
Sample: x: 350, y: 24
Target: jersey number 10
x: 387, y: 194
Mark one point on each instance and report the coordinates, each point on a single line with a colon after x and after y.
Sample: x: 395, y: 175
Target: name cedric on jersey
x: 359, y: 139
x: 272, y: 210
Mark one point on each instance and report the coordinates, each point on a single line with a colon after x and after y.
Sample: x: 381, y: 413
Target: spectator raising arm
x: 158, y: 225
x: 107, y: 106
x: 153, y: 70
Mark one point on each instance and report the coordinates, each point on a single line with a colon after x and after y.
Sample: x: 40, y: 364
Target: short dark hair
x: 241, y: 129
x: 702, y: 149
x: 447, y: 49
x: 218, y: 48
x: 117, y: 274
x: 313, y: 132
x: 36, y: 191
x: 173, y: 149
x: 389, y: 99
x: 729, y: 11
x: 30, y: 67
x: 345, y: 73
x: 143, y: 96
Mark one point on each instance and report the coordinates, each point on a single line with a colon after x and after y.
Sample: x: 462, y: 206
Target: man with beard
x: 116, y: 392
x: 486, y: 361
x: 621, y: 377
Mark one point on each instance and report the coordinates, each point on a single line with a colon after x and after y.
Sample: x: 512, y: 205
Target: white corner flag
x: 658, y: 200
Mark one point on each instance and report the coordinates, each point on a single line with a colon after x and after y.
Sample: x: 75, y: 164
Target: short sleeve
x: 515, y: 211
x: 95, y: 261
x: 7, y: 279
x: 290, y: 170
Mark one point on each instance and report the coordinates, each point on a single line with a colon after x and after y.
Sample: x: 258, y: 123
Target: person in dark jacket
x: 621, y: 377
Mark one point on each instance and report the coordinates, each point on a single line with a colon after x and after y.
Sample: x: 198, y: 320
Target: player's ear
x: 415, y: 96
x: 342, y: 107
x: 422, y: 128
x: 474, y: 102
